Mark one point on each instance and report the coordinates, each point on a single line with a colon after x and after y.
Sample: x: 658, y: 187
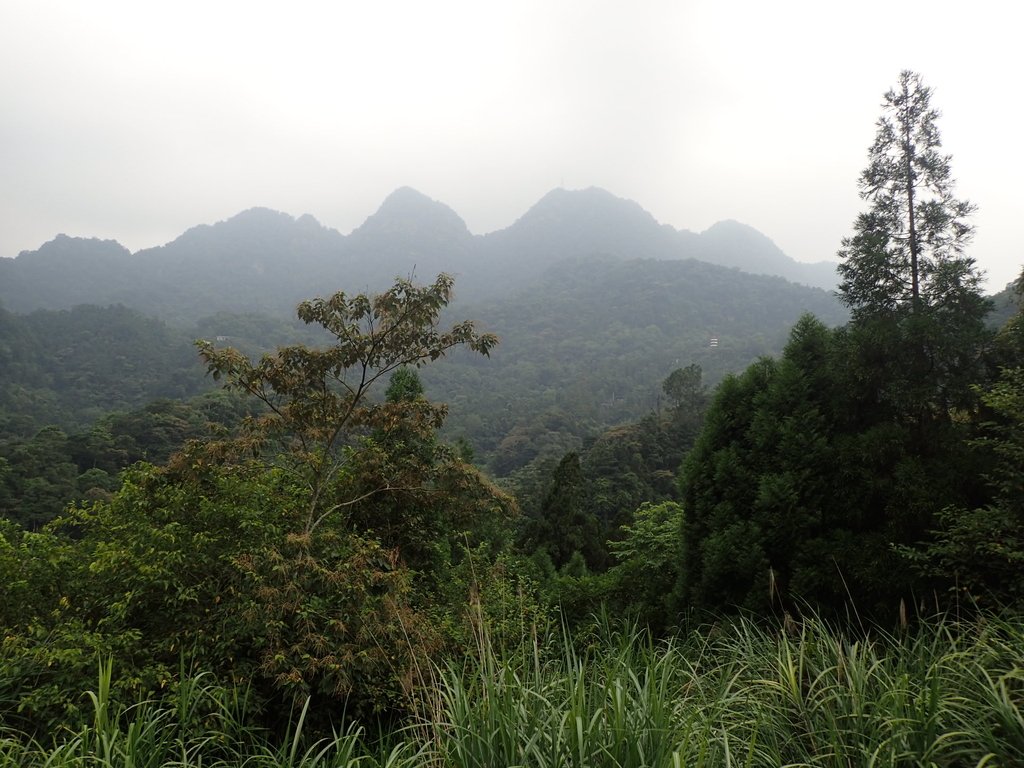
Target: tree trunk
x: 908, y: 159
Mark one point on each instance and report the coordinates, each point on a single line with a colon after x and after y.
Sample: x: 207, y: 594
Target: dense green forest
x: 576, y: 358
x: 666, y: 513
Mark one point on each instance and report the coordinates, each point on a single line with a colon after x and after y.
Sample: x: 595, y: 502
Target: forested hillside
x: 72, y: 366
x: 585, y: 347
x: 589, y: 343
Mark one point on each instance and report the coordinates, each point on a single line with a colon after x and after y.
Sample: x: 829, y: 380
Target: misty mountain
x: 409, y: 235
x: 65, y: 272
x: 733, y: 244
x: 257, y: 256
x: 259, y: 260
x: 262, y: 260
x: 588, y: 222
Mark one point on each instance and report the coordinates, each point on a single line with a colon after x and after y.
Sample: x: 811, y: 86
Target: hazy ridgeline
x: 266, y: 261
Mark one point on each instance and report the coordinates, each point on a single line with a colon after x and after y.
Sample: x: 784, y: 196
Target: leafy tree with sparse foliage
x: 319, y: 416
x: 647, y: 562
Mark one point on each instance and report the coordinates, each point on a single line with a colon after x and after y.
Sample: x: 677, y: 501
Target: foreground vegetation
x: 743, y: 694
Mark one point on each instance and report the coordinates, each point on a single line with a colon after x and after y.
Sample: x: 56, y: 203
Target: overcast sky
x: 136, y: 120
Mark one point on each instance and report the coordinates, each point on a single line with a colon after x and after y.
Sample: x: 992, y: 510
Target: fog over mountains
x: 267, y: 261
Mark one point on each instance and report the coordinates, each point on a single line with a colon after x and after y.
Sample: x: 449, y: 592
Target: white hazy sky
x: 134, y: 120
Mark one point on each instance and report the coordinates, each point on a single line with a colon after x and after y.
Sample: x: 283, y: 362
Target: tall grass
x: 746, y: 696
x: 201, y: 725
x: 734, y: 695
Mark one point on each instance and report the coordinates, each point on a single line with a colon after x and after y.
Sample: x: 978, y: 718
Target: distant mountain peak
x: 588, y: 193
x: 258, y: 221
x: 257, y: 218
x: 732, y: 224
x: 735, y: 244
x: 410, y: 213
x: 408, y: 195
x: 592, y: 204
x: 309, y: 221
x: 735, y: 232
x: 77, y: 247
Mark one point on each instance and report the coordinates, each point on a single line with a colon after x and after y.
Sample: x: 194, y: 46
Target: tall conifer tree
x: 913, y: 291
x: 908, y: 248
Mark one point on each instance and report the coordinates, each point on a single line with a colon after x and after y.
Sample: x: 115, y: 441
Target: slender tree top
x: 908, y: 247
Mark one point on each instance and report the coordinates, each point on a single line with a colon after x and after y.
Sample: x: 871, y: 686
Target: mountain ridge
x: 272, y: 259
